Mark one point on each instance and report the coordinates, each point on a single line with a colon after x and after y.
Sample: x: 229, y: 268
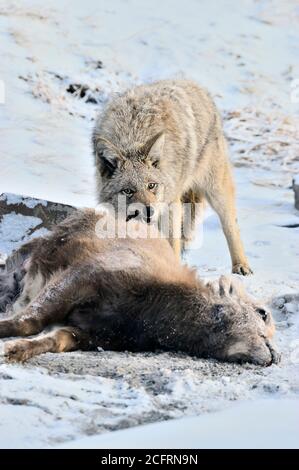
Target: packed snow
x: 16, y: 229
x: 57, y: 75
x: 276, y: 428
x: 12, y: 199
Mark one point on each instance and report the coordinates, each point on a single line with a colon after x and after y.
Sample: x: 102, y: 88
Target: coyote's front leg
x: 175, y: 239
x: 51, y: 305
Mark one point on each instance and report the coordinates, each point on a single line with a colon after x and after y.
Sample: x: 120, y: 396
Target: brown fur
x: 127, y: 293
x: 168, y: 133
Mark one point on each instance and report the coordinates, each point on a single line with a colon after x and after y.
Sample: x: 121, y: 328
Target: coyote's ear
x: 107, y: 156
x: 153, y: 148
x: 106, y: 164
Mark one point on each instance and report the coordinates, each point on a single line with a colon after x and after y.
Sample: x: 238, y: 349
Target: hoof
x: 17, y: 350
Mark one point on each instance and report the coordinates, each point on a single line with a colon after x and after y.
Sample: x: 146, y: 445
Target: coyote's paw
x: 19, y: 350
x: 242, y: 269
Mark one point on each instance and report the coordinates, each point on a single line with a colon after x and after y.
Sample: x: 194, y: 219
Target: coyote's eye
x: 152, y: 186
x: 128, y: 192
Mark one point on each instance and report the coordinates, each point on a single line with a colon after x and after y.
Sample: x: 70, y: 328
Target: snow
x: 16, y: 229
x: 17, y: 199
x: 276, y: 428
x: 246, y: 54
x: 66, y: 397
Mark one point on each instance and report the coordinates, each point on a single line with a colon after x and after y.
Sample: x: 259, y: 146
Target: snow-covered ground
x: 271, y: 424
x: 246, y: 53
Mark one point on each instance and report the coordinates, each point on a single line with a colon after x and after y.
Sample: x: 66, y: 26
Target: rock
x: 49, y: 212
x: 296, y: 191
x: 22, y: 218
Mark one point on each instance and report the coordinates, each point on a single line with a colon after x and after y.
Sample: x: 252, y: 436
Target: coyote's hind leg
x: 220, y: 193
x: 60, y: 340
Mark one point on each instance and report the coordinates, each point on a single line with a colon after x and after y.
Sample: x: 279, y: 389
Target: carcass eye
x: 262, y: 312
x: 152, y: 186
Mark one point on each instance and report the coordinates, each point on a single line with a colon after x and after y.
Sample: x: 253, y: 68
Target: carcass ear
x: 153, y: 148
x: 107, y: 156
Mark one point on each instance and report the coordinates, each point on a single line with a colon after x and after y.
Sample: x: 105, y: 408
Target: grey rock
x: 49, y: 212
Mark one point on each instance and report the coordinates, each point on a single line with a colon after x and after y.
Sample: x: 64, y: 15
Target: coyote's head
x: 133, y: 177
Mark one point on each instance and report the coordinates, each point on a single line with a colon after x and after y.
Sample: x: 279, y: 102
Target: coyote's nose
x: 133, y: 215
x: 149, y: 213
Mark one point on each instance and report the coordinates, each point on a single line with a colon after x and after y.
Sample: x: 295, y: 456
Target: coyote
x: 164, y: 143
x: 126, y: 293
